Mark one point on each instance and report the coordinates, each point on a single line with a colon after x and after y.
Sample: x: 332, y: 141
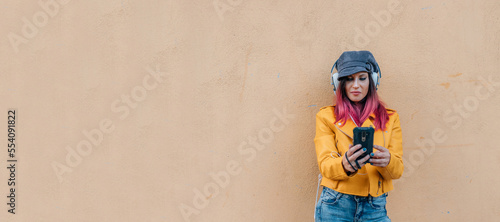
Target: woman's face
x: 357, y: 85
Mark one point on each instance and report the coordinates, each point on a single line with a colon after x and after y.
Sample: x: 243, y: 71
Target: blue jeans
x: 335, y: 206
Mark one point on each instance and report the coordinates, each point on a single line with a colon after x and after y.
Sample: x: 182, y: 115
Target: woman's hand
x: 349, y: 160
x: 380, y: 158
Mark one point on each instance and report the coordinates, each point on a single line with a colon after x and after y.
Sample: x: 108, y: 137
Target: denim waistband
x: 356, y: 197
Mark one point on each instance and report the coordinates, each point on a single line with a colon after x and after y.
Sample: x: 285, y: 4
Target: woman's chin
x: 355, y: 98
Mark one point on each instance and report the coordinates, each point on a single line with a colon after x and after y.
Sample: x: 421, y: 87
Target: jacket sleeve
x: 395, y: 168
x: 330, y: 167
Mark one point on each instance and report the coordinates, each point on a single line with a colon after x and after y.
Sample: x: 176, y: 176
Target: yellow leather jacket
x: 332, y: 140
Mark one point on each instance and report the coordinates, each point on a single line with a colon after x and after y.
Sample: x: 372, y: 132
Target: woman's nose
x: 355, y: 85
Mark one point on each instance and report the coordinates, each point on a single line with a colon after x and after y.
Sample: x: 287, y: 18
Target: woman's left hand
x: 380, y: 158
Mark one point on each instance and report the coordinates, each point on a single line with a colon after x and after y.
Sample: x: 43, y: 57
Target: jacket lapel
x: 349, y: 126
x: 346, y: 128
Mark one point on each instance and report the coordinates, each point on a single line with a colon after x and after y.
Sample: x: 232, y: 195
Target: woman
x: 356, y: 190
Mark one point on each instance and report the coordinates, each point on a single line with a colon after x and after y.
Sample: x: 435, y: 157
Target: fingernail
x: 364, y: 149
x: 371, y: 154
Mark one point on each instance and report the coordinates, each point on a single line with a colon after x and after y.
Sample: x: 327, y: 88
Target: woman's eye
x: 362, y: 79
x: 349, y: 79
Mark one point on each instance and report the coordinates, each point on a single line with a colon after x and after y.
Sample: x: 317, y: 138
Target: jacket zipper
x: 378, y: 186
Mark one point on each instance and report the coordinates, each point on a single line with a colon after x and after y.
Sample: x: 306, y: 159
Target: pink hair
x: 370, y: 104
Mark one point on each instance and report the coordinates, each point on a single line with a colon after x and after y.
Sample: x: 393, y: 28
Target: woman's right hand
x: 353, y: 153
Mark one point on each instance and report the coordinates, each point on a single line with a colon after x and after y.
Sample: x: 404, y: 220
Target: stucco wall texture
x: 205, y: 110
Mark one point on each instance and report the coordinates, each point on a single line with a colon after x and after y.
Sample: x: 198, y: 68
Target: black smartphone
x: 364, y: 136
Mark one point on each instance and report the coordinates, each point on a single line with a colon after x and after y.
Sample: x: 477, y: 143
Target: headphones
x: 375, y: 76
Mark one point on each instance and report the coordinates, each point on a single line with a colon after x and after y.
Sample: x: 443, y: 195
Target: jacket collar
x: 349, y: 125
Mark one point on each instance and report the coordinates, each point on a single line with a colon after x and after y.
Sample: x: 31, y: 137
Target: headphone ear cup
x: 376, y: 79
x: 335, y: 81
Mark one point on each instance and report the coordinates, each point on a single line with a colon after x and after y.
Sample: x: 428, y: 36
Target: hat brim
x: 351, y: 70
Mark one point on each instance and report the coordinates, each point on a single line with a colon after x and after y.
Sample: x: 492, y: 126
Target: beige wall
x: 127, y: 109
